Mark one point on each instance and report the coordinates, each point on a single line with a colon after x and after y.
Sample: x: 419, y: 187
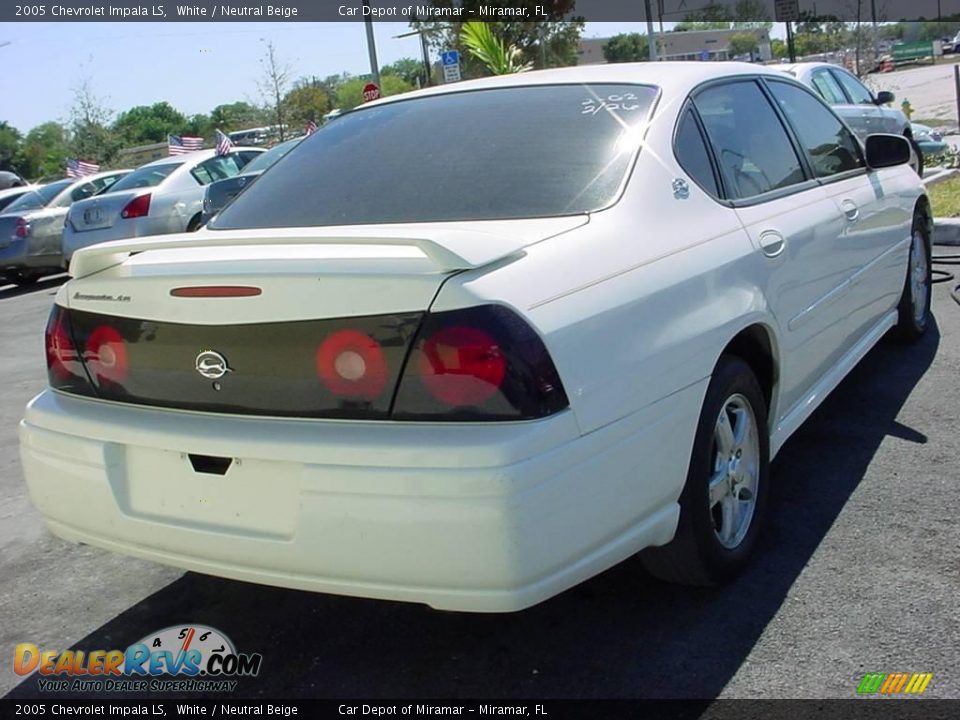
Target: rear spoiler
x: 89, y: 260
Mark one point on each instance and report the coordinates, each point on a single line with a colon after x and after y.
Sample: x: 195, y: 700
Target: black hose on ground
x: 945, y: 275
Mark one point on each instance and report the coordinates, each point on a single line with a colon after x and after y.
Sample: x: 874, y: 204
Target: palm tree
x: 499, y: 58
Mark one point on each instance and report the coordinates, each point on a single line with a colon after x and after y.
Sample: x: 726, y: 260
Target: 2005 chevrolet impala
x: 473, y: 345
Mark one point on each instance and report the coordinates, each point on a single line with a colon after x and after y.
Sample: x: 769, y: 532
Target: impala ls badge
x: 212, y: 365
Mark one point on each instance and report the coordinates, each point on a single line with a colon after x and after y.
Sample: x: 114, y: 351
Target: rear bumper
x: 492, y: 517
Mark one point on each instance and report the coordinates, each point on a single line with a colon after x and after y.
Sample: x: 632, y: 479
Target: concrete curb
x: 946, y: 231
x: 938, y: 176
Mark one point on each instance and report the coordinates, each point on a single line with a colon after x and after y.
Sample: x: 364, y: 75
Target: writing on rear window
x: 622, y: 101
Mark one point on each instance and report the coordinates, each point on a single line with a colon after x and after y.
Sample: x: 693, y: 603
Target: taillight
x: 138, y: 207
x: 351, y: 364
x: 482, y: 363
x: 64, y: 369
x: 22, y: 228
x: 105, y: 355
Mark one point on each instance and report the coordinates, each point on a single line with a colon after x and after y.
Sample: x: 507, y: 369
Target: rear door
x: 792, y: 224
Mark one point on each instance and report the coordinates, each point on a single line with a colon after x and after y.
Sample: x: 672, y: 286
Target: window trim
x: 807, y: 158
x: 689, y: 107
x: 809, y: 182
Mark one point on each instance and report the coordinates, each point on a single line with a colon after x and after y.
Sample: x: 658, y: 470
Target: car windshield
x: 264, y: 160
x: 517, y: 152
x: 38, y: 198
x: 148, y: 176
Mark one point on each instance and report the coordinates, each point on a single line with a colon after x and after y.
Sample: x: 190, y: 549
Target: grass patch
x: 945, y: 198
x: 933, y: 122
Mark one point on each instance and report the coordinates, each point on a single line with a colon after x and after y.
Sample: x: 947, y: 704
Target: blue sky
x: 193, y: 66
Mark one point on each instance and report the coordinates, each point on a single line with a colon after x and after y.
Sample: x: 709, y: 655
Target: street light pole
x: 371, y: 45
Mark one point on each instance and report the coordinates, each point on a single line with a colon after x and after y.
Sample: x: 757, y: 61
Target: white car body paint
x: 635, y: 304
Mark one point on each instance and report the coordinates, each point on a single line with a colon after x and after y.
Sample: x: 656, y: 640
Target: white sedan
x: 472, y: 345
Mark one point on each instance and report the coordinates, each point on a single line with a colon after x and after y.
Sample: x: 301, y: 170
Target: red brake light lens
x: 461, y: 366
x: 351, y: 364
x: 138, y: 207
x: 479, y: 363
x: 22, y: 228
x: 61, y: 354
x: 106, y: 355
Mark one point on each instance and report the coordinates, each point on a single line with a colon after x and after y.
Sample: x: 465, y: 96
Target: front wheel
x: 723, y: 501
x: 913, y: 312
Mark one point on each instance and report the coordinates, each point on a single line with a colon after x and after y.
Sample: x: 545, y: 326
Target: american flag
x: 182, y: 144
x: 224, y: 144
x: 311, y: 127
x: 79, y: 168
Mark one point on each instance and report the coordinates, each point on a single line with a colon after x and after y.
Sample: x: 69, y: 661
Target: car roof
x: 674, y: 78
x: 18, y: 189
x: 195, y: 156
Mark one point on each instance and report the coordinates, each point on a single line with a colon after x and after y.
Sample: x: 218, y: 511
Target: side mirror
x: 885, y: 97
x: 887, y: 150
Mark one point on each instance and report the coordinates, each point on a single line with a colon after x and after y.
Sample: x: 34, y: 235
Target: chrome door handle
x: 772, y: 243
x: 850, y: 210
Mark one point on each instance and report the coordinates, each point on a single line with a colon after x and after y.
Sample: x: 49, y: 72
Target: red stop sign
x: 370, y: 92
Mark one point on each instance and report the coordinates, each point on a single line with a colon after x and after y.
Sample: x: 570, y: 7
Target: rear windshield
x: 535, y: 151
x: 38, y: 198
x: 264, y: 160
x: 149, y: 176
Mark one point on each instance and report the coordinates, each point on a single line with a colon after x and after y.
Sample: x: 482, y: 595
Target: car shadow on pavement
x: 619, y: 635
x: 47, y: 283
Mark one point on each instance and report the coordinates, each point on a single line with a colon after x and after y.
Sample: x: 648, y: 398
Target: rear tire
x: 194, y: 223
x: 24, y: 279
x: 916, y: 159
x: 914, y: 308
x: 724, y: 499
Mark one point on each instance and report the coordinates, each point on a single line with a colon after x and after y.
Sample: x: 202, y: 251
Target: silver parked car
x: 32, y: 225
x: 853, y: 101
x: 164, y: 196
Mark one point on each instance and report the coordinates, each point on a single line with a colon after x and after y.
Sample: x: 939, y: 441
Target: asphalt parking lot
x: 858, y: 573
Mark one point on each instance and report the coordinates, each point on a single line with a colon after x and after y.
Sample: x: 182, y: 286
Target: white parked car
x: 475, y: 373
x: 853, y: 101
x: 164, y: 196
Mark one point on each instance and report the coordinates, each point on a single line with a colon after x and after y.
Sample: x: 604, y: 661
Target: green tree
x: 305, y: 102
x: 273, y: 86
x: 627, y: 47
x: 498, y: 57
x: 551, y: 42
x: 350, y: 93
x: 236, y: 116
x: 407, y: 68
x: 149, y: 124
x: 43, y: 151
x: 199, y: 125
x: 778, y: 48
x: 90, y: 137
x: 743, y: 43
x: 9, y: 145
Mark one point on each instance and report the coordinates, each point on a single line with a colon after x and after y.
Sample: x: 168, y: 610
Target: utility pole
x: 790, y: 48
x: 424, y: 51
x: 651, y: 38
x: 371, y: 46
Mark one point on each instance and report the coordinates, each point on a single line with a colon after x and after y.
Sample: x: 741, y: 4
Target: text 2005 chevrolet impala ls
x: 473, y: 345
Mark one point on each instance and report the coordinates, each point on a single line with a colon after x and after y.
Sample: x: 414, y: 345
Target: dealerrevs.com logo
x: 182, y: 658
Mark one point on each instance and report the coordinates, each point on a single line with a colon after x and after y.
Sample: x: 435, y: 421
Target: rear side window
x: 216, y: 168
x: 829, y: 88
x: 149, y: 176
x: 751, y: 144
x: 831, y: 145
x: 516, y: 152
x: 692, y: 154
x: 859, y: 95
